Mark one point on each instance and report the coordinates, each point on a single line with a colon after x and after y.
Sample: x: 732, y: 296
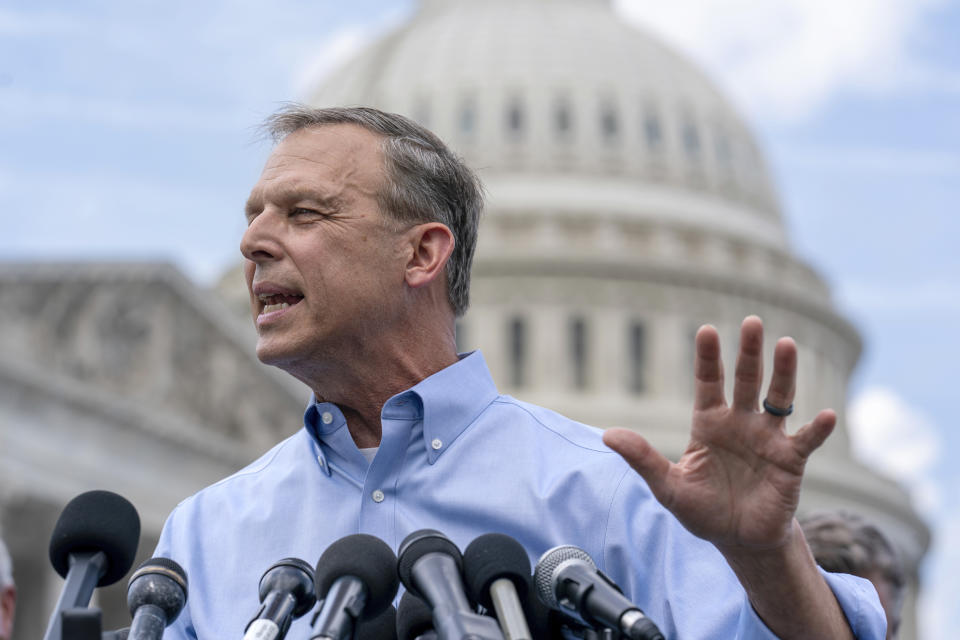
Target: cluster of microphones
x: 486, y: 592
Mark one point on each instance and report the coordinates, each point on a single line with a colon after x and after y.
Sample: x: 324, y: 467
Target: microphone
x: 156, y: 593
x: 286, y: 593
x: 414, y: 619
x: 569, y: 581
x: 356, y: 578
x: 431, y: 568
x: 544, y: 623
x: 496, y: 569
x: 92, y: 545
x: 382, y: 626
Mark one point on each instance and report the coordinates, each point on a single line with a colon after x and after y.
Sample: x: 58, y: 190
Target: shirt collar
x: 448, y: 402
x: 451, y: 400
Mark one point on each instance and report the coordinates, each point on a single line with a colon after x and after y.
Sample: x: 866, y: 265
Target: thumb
x: 652, y: 466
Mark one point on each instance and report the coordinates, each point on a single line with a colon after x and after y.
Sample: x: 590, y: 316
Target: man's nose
x: 261, y: 242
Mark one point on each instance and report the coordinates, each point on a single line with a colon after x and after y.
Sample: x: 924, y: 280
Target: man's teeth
x: 275, y: 307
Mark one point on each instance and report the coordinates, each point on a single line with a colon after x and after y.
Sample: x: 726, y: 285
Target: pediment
x: 145, y: 334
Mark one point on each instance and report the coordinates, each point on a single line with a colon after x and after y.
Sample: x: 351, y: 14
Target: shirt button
x: 437, y: 444
x: 377, y: 496
x: 326, y: 417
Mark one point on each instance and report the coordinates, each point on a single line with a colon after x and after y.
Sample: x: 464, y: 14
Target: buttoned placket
x: 377, y: 509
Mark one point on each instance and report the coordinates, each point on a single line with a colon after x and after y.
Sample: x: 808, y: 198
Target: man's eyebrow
x: 290, y: 194
x: 253, y: 206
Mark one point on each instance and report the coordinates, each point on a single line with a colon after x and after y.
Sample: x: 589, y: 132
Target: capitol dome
x: 628, y: 203
x: 561, y: 91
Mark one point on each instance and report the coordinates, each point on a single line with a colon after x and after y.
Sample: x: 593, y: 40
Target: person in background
x: 844, y: 542
x: 8, y: 593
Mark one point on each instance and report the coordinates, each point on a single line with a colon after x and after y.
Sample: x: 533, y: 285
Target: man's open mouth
x: 277, y: 301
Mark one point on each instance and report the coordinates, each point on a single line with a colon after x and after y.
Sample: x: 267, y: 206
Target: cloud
x: 900, y: 162
x: 786, y: 58
x: 898, y: 439
x: 339, y: 48
x: 934, y: 296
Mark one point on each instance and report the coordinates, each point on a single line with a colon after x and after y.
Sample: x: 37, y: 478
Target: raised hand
x: 737, y: 484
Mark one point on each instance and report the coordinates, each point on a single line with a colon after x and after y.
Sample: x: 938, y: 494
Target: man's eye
x: 303, y: 211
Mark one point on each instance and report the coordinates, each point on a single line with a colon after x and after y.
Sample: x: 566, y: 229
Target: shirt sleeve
x: 857, y: 598
x: 182, y: 627
x: 686, y: 587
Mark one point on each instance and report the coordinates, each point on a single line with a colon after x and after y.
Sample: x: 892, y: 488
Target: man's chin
x: 272, y: 354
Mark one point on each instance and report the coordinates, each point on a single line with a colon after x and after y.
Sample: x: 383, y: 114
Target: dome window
x: 578, y: 352
x: 652, y: 131
x: 691, y: 139
x: 724, y: 154
x: 468, y: 117
x: 562, y: 118
x: 609, y: 124
x: 518, y: 351
x: 638, y: 357
x: 515, y: 118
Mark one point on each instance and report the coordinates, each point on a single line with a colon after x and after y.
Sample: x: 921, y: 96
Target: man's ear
x: 431, y: 244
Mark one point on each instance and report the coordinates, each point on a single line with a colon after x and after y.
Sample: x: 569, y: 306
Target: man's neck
x: 361, y: 391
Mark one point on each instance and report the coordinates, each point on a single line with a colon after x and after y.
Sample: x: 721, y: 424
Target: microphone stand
x: 85, y: 571
x: 85, y: 624
x: 80, y: 624
x: 588, y: 633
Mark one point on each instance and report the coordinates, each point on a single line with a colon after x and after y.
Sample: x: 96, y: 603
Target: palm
x: 738, y: 483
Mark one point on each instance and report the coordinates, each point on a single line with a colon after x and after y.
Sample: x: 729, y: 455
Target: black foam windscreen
x: 365, y: 557
x: 418, y: 544
x: 493, y: 556
x: 292, y: 576
x: 97, y: 521
x: 414, y: 617
x: 382, y: 626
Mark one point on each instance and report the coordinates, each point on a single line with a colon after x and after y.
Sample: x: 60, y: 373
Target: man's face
x: 889, y: 602
x: 324, y: 270
x: 8, y: 598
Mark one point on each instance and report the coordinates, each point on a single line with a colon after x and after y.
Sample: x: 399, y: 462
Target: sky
x: 127, y: 132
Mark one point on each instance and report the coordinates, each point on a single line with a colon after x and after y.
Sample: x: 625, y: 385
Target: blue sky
x: 126, y: 132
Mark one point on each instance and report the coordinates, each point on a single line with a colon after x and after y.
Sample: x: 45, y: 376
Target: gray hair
x: 6, y: 567
x: 427, y: 182
x: 844, y: 542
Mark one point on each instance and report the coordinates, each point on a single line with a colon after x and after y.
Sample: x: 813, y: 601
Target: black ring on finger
x: 776, y: 411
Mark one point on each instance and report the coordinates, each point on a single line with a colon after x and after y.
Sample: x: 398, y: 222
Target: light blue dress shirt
x: 459, y: 457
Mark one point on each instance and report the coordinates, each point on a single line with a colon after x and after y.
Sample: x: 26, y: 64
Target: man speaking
x: 361, y: 232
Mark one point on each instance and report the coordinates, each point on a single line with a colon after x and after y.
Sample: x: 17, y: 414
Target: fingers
x: 748, y: 375
x: 813, y: 434
x: 783, y: 383
x: 640, y: 455
x: 707, y: 370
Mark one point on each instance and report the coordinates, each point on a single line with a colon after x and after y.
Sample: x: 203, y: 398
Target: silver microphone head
x: 547, y: 567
